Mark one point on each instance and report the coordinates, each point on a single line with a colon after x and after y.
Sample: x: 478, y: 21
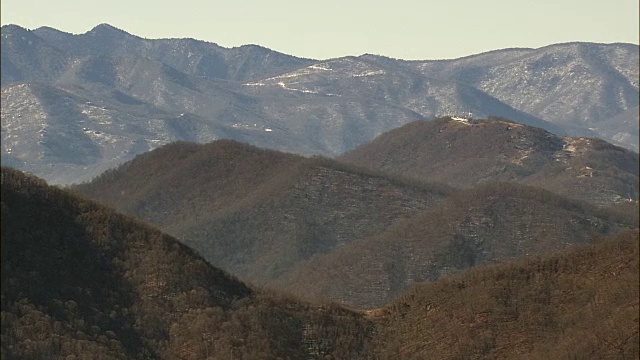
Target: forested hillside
x: 257, y: 212
x: 362, y: 236
x: 80, y: 280
x: 464, y: 152
x: 578, y: 304
x: 487, y: 224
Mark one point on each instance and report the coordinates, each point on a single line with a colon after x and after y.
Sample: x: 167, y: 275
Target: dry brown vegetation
x: 464, y: 154
x: 579, y: 304
x: 255, y: 212
x: 79, y: 281
x: 336, y: 232
x: 486, y: 224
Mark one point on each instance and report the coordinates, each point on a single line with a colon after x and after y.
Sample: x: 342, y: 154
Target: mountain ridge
x: 247, y: 208
x: 86, y: 282
x: 278, y: 219
x: 487, y: 224
x: 253, y: 94
x: 434, y: 318
x: 463, y: 152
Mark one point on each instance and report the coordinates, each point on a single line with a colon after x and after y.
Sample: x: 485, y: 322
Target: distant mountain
x: 134, y: 104
x: 622, y: 127
x: 256, y: 212
x: 25, y: 56
x: 357, y: 77
x: 184, y: 89
x: 188, y: 56
x: 79, y: 280
x: 463, y: 153
x: 571, y: 85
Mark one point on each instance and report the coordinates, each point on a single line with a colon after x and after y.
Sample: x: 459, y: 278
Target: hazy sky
x: 408, y: 29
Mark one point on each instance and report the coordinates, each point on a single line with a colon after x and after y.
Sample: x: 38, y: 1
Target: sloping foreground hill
x: 463, y: 152
x: 579, y: 304
x: 482, y: 225
x: 80, y: 280
x: 256, y: 213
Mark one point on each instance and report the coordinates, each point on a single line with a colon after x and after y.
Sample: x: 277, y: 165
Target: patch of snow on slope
x: 369, y: 73
x: 319, y: 67
x: 309, y: 70
x: 284, y: 86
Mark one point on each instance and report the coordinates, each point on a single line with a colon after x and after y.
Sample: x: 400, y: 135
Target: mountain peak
x: 13, y: 29
x: 47, y: 28
x: 12, y: 26
x: 464, y: 152
x: 105, y: 29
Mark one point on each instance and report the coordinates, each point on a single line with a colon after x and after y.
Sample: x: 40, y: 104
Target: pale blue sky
x: 408, y: 29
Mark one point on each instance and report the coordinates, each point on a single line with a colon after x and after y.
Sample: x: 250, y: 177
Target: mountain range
x: 257, y: 212
x: 80, y: 280
x: 239, y: 203
x: 366, y: 235
x: 76, y: 105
